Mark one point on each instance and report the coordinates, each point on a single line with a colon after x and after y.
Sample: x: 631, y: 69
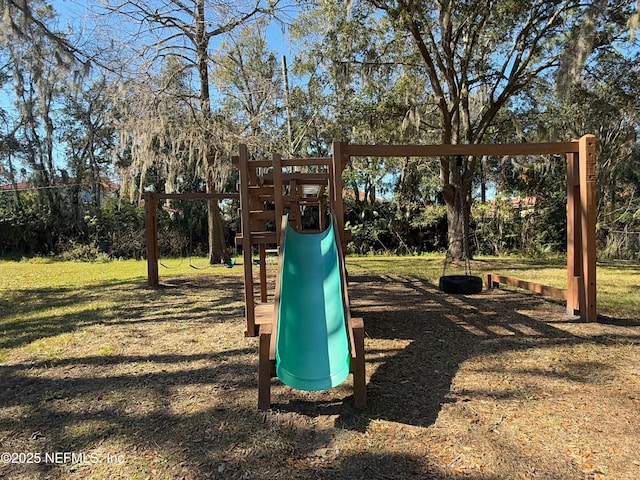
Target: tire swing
x: 460, y: 284
x: 466, y: 284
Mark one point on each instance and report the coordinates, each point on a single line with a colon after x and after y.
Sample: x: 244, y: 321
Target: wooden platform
x: 264, y: 313
x: 264, y: 316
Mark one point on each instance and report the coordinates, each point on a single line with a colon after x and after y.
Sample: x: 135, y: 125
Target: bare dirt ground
x: 499, y: 385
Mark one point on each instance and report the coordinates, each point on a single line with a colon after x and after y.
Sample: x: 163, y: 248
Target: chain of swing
x: 190, y: 249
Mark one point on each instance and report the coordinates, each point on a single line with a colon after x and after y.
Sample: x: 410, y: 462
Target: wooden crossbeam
x: 497, y: 149
x: 286, y: 162
x: 197, y: 196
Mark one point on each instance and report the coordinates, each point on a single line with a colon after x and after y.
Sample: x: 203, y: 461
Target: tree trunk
x: 456, y: 227
x: 456, y: 178
x: 217, y: 245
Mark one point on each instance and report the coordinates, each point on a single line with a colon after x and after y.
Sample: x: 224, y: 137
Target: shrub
x: 77, y: 252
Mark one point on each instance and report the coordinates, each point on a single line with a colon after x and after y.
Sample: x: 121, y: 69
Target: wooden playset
x: 273, y: 196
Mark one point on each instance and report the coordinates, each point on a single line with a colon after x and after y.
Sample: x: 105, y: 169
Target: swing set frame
x: 580, y: 293
x: 151, y: 200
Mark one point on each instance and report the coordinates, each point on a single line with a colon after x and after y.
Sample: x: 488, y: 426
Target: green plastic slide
x: 312, y: 348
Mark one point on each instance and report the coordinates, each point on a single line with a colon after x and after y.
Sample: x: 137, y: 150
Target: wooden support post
x: 574, y: 235
x: 321, y: 212
x: 358, y: 363
x: 295, y: 219
x: 262, y: 249
x: 151, y: 237
x: 587, y: 148
x: 264, y: 368
x: 277, y: 193
x: 339, y: 152
x: 247, y: 253
x: 488, y: 280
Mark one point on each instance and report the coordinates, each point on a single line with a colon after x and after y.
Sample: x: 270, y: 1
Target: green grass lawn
x: 26, y: 282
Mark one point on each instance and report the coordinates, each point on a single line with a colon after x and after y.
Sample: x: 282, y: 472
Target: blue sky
x: 81, y: 19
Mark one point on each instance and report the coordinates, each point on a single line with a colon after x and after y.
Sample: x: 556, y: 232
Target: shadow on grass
x: 619, y: 322
x: 32, y: 314
x: 410, y: 384
x: 161, y: 438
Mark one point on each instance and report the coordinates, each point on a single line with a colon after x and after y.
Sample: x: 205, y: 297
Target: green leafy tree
x: 360, y: 87
x: 89, y: 137
x: 38, y: 77
x: 606, y: 103
x: 248, y: 77
x: 477, y: 58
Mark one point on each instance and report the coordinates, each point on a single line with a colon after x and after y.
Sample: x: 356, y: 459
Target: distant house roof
x: 526, y: 202
x: 19, y: 185
x: 109, y: 185
x: 361, y: 195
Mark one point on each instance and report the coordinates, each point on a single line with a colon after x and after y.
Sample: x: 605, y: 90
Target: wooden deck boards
x: 264, y: 316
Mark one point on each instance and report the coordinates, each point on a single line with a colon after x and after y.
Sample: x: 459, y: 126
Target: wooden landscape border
x: 493, y: 280
x: 581, y: 202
